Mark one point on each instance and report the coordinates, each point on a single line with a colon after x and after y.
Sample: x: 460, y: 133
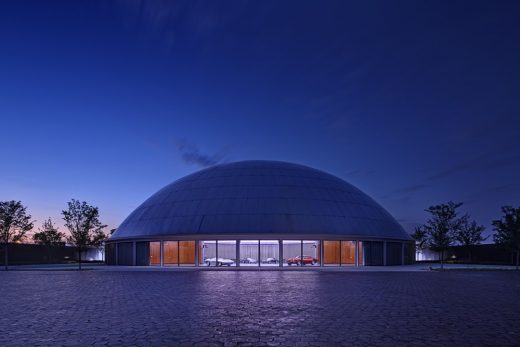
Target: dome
x: 261, y: 198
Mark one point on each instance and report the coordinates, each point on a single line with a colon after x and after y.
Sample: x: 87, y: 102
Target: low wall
x: 40, y: 254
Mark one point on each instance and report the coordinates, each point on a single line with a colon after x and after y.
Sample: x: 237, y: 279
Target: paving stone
x: 140, y: 308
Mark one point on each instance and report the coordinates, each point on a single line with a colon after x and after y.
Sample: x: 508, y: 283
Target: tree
x: 508, y: 230
x: 49, y: 235
x: 421, y: 238
x: 442, y: 226
x: 82, y: 220
x: 15, y: 222
x: 469, y: 234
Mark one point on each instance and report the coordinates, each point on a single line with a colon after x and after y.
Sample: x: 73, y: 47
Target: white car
x: 248, y: 261
x: 219, y: 262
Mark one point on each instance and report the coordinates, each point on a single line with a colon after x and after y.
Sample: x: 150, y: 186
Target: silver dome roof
x: 260, y: 197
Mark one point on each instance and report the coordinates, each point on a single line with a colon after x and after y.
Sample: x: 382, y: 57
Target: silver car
x: 219, y: 262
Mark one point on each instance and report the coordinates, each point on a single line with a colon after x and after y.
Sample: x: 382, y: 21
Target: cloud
x: 411, y: 188
x: 477, y: 164
x: 191, y: 155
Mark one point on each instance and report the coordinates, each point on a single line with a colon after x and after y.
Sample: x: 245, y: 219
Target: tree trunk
x: 517, y: 258
x: 441, y: 254
x: 79, y: 258
x: 6, y: 257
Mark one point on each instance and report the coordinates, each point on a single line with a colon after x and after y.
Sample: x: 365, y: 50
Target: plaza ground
x: 259, y: 308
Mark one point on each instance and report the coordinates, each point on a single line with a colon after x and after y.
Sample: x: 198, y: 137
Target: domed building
x: 263, y: 214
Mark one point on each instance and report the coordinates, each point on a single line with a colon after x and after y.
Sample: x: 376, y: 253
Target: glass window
x: 348, y: 253
x: 155, y: 253
x: 187, y: 253
x: 170, y: 253
x: 331, y: 253
x: 227, y: 250
x: 249, y: 252
x: 311, y: 253
x: 292, y: 252
x: 207, y: 253
x: 269, y: 253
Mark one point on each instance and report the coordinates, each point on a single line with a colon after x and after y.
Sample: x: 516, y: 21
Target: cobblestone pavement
x: 205, y: 308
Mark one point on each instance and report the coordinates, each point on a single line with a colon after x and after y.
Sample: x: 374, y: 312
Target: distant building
x: 260, y: 213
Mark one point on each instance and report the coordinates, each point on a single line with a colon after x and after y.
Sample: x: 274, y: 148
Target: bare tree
x: 508, y: 230
x: 442, y: 226
x: 82, y: 220
x: 469, y: 234
x: 15, y: 222
x: 49, y: 235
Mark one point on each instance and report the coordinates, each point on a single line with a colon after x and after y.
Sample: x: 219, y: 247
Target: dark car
x: 305, y: 260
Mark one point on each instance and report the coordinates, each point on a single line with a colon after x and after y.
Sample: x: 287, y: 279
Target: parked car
x: 271, y: 261
x: 307, y: 260
x: 219, y: 262
x: 248, y: 261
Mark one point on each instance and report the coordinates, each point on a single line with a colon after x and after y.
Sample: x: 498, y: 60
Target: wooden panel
x: 348, y: 253
x: 331, y: 252
x: 155, y: 253
x: 187, y: 252
x: 171, y: 253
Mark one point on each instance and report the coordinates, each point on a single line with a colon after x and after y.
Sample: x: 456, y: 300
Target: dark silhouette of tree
x: 15, y: 222
x: 421, y: 238
x: 469, y: 234
x: 49, y: 235
x: 442, y: 227
x: 508, y: 230
x: 86, y: 230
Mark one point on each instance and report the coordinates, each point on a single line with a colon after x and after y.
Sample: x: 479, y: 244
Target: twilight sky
x: 414, y: 102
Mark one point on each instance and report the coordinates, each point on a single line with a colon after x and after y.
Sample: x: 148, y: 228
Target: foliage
x: 507, y: 230
x: 49, y: 235
x: 469, y: 233
x: 84, y: 226
x: 421, y: 238
x: 442, y: 226
x: 15, y: 222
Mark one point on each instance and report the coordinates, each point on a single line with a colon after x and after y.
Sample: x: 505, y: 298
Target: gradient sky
x: 415, y: 103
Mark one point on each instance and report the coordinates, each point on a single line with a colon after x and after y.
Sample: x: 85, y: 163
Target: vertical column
x: 402, y: 253
x: 197, y: 252
x: 384, y: 253
x: 258, y: 253
x: 321, y: 252
x: 134, y: 253
x: 237, y: 252
x: 357, y: 252
x: 161, y: 252
x: 216, y: 253
x: 117, y: 253
x: 301, y: 252
x: 280, y: 253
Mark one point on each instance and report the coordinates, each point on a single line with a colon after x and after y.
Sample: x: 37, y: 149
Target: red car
x: 307, y: 260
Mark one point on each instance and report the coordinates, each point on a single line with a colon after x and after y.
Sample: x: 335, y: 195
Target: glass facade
x: 207, y: 253
x: 226, y: 252
x: 292, y: 250
x: 331, y: 253
x: 155, y: 253
x: 249, y: 252
x: 187, y: 253
x: 260, y: 253
x: 171, y: 253
x: 311, y: 253
x: 269, y: 253
x: 348, y: 252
